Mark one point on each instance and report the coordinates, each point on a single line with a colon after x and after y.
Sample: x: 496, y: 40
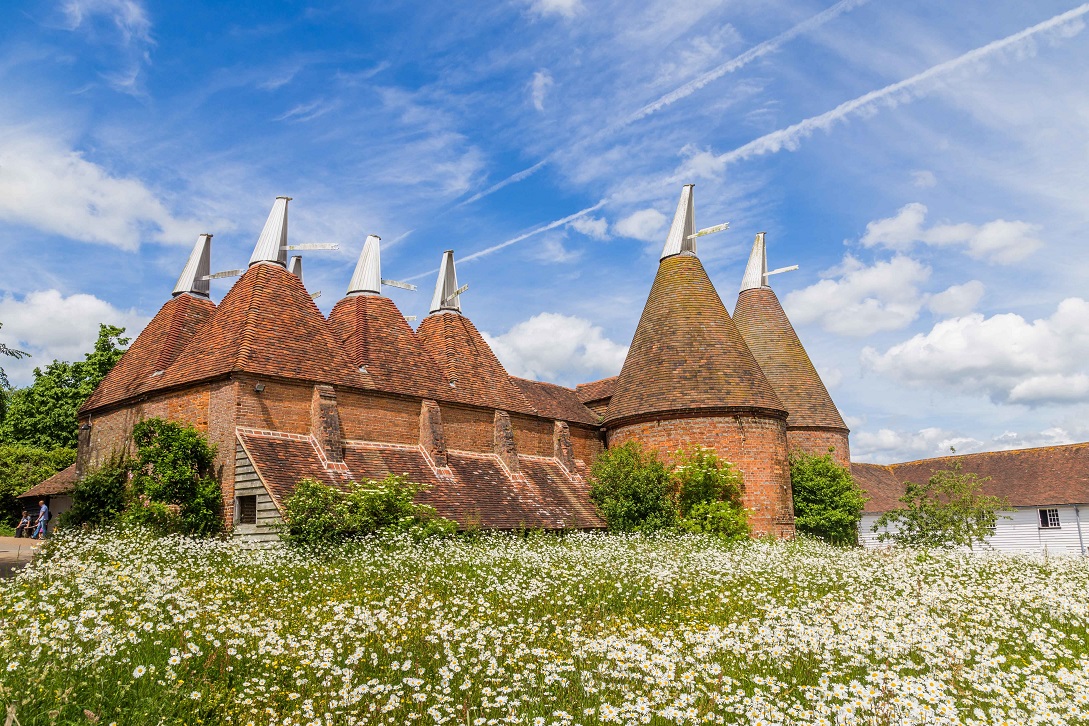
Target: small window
x: 1049, y: 519
x: 247, y: 510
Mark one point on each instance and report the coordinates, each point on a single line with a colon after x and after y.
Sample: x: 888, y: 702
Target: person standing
x: 43, y: 519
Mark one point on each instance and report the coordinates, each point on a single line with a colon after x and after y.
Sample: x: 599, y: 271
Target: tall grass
x: 582, y: 629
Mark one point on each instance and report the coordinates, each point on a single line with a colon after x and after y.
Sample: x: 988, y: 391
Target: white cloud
x: 51, y: 326
x: 957, y: 299
x: 552, y: 250
x: 1004, y: 356
x: 886, y: 446
x: 542, y: 81
x: 648, y: 225
x: 863, y: 299
x: 560, y: 348
x: 997, y: 241
x: 831, y: 377
x: 54, y: 189
x: 923, y: 179
x: 592, y: 227
x: 564, y: 8
x: 128, y: 29
x: 700, y: 164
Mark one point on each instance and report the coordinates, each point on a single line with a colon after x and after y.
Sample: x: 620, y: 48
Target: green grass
x: 581, y: 629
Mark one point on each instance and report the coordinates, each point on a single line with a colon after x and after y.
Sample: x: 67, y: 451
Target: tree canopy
x: 827, y: 501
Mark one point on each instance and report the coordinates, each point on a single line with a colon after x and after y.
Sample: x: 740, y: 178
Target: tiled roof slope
x: 596, y: 390
x: 60, y: 483
x: 686, y: 353
x: 1051, y: 475
x: 468, y: 362
x: 374, y: 334
x: 474, y: 490
x: 555, y: 402
x: 154, y: 349
x: 266, y: 325
x: 764, y: 325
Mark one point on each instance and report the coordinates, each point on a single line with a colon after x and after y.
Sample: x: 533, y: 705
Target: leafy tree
x: 5, y: 384
x: 726, y: 520
x: 827, y: 501
x: 99, y: 497
x: 632, y: 489
x: 700, y: 476
x: 174, y: 488
x: 317, y: 513
x: 21, y: 467
x: 44, y: 413
x: 949, y: 510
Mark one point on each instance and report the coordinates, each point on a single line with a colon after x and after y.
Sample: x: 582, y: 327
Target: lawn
x: 583, y: 629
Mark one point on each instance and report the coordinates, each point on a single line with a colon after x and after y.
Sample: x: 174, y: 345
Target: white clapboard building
x: 1047, y: 488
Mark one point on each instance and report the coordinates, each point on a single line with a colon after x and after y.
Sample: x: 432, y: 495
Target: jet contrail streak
x: 734, y: 64
x: 789, y: 137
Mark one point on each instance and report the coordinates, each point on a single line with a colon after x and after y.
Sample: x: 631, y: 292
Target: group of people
x: 35, y: 529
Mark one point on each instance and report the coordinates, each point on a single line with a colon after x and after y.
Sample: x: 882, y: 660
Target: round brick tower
x: 814, y: 425
x: 689, y: 379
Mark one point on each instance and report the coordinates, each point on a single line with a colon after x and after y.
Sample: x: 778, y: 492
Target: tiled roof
x: 60, y: 483
x: 764, y: 325
x: 475, y: 490
x: 556, y: 402
x: 468, y: 362
x: 1051, y: 475
x: 266, y: 325
x: 686, y: 353
x: 596, y: 390
x: 375, y: 335
x: 153, y: 350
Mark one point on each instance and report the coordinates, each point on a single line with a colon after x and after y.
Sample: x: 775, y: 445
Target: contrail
x: 790, y: 137
x: 519, y: 238
x: 734, y: 64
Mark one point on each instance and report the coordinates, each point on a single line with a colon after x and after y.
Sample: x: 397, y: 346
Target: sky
x: 925, y: 164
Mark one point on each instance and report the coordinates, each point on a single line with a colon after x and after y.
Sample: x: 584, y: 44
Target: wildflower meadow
x: 545, y: 630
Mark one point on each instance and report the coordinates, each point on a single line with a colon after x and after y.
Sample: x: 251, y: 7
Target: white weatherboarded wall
x: 248, y: 483
x: 1021, y: 532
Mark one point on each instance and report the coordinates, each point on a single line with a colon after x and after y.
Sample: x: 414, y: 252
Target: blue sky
x: 926, y: 164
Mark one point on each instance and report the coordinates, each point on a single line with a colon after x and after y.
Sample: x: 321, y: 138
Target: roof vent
x: 195, y: 275
x: 367, y: 278
x: 447, y: 293
x: 272, y: 244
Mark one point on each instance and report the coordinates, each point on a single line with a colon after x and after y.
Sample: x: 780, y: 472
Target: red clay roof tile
x: 596, y: 390
x: 60, y: 483
x: 555, y: 402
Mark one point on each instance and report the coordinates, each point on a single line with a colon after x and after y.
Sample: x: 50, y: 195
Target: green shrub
x: 21, y: 467
x: 99, y: 497
x: 700, y: 476
x: 632, y: 489
x: 317, y: 513
x: 726, y: 520
x: 827, y: 501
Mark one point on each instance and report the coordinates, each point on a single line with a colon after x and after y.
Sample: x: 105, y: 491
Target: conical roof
x: 771, y: 338
x: 266, y: 325
x: 469, y: 363
x: 155, y: 348
x: 375, y: 336
x: 687, y: 355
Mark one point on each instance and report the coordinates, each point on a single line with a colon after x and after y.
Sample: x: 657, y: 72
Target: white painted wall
x: 1021, y: 532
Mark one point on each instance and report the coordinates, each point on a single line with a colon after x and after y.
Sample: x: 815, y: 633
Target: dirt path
x: 14, y: 553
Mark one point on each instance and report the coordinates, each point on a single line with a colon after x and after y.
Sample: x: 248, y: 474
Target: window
x: 1049, y: 519
x: 247, y: 510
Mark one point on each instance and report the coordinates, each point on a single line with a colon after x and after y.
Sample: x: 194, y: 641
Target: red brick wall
x: 468, y: 429
x: 818, y: 441
x: 532, y: 435
x: 373, y: 417
x: 279, y: 407
x: 756, y: 445
x: 587, y: 443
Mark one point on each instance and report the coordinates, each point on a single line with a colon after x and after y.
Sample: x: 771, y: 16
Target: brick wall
x: 279, y: 407
x: 374, y: 417
x: 588, y: 443
x: 468, y: 429
x: 818, y: 441
x: 532, y: 435
x: 756, y: 445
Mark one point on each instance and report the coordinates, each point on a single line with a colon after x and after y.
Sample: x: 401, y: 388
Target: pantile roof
x: 375, y: 335
x: 155, y: 348
x: 764, y: 325
x: 60, y: 483
x: 687, y: 354
x: 1046, y: 476
x: 469, y: 363
x: 556, y: 402
x: 596, y: 390
x: 266, y: 325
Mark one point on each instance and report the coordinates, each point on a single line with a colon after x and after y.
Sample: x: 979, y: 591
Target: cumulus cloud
x: 50, y: 325
x: 542, y: 81
x: 560, y: 348
x: 997, y: 241
x: 564, y: 8
x: 1005, y: 357
x: 957, y: 299
x: 53, y: 188
x: 700, y: 164
x: 648, y: 225
x: 593, y: 227
x: 862, y: 299
x: 888, y: 446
